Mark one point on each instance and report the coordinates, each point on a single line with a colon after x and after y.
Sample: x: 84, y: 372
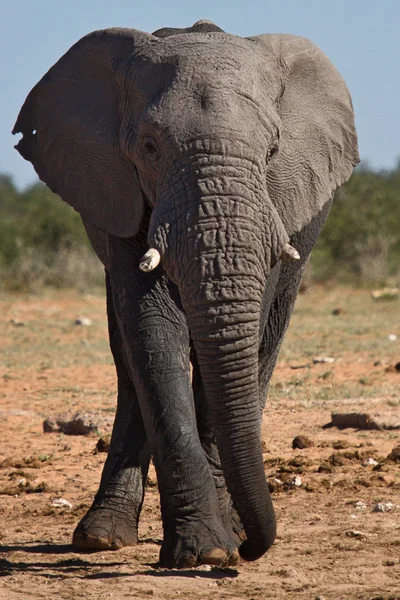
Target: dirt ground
x: 328, y: 546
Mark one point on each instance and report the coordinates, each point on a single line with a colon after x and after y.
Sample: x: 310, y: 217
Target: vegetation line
x: 43, y: 242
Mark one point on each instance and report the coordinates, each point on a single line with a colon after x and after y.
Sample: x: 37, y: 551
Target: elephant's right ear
x: 70, y: 124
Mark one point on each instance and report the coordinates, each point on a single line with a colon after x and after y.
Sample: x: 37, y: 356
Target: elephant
x: 203, y: 165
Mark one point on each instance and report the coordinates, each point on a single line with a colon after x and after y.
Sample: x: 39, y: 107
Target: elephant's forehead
x: 216, y: 53
x: 216, y: 59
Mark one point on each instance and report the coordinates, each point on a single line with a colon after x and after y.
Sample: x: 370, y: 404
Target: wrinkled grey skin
x: 216, y: 150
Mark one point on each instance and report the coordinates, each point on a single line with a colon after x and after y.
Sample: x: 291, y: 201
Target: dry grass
x: 357, y: 338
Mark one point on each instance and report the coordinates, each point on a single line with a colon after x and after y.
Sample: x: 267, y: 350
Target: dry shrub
x: 77, y: 268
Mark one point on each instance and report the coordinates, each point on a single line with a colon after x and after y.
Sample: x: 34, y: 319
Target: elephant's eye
x: 271, y: 153
x: 150, y: 149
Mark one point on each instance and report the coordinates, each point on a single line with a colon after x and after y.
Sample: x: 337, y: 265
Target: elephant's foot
x: 106, y: 527
x: 198, y: 543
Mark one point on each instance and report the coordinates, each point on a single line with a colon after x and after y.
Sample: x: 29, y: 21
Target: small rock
x: 383, y: 507
x: 378, y: 467
x: 17, y: 323
x: 385, y: 294
x: 77, y: 424
x: 360, y: 505
x: 353, y: 533
x: 392, y: 337
x: 320, y: 598
x: 275, y: 485
x: 50, y: 425
x: 394, y: 456
x: 83, y: 322
x: 296, y: 481
x: 385, y: 420
x: 61, y: 503
x: 103, y: 444
x: 323, y: 360
x: 378, y: 363
x: 337, y: 311
x: 301, y: 442
x: 369, y: 462
x: 393, y: 368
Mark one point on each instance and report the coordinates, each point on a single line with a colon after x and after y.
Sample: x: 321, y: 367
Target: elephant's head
x: 236, y: 144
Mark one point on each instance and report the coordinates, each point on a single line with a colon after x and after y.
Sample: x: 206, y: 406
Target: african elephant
x: 222, y: 155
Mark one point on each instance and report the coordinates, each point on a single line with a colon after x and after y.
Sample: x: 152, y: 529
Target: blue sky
x: 362, y: 38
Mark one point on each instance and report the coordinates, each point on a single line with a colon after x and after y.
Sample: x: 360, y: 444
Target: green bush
x: 43, y: 241
x: 361, y: 239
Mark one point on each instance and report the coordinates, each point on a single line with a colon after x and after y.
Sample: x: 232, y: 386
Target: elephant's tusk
x: 289, y: 254
x: 150, y: 260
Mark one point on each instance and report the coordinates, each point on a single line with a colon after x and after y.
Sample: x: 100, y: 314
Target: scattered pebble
x: 337, y: 311
x: 353, y: 533
x: 275, y: 485
x: 61, y: 503
x: 393, y: 368
x: 358, y: 420
x: 17, y: 323
x: 360, y: 505
x: 103, y: 444
x: 394, y: 456
x: 301, y: 442
x: 385, y: 294
x: 82, y: 423
x: 323, y: 360
x: 392, y: 337
x: 296, y: 481
x: 50, y: 425
x: 383, y: 507
x: 83, y: 322
x: 369, y: 462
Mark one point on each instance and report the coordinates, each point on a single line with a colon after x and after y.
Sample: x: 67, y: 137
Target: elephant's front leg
x: 156, y: 339
x: 112, y: 521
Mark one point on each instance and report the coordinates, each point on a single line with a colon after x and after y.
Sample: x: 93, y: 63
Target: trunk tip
x: 254, y: 548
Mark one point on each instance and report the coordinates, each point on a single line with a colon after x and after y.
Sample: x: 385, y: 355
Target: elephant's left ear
x: 71, y: 123
x: 318, y: 148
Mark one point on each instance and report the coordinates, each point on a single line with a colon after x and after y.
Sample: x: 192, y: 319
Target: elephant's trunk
x: 227, y: 352
x: 219, y: 248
